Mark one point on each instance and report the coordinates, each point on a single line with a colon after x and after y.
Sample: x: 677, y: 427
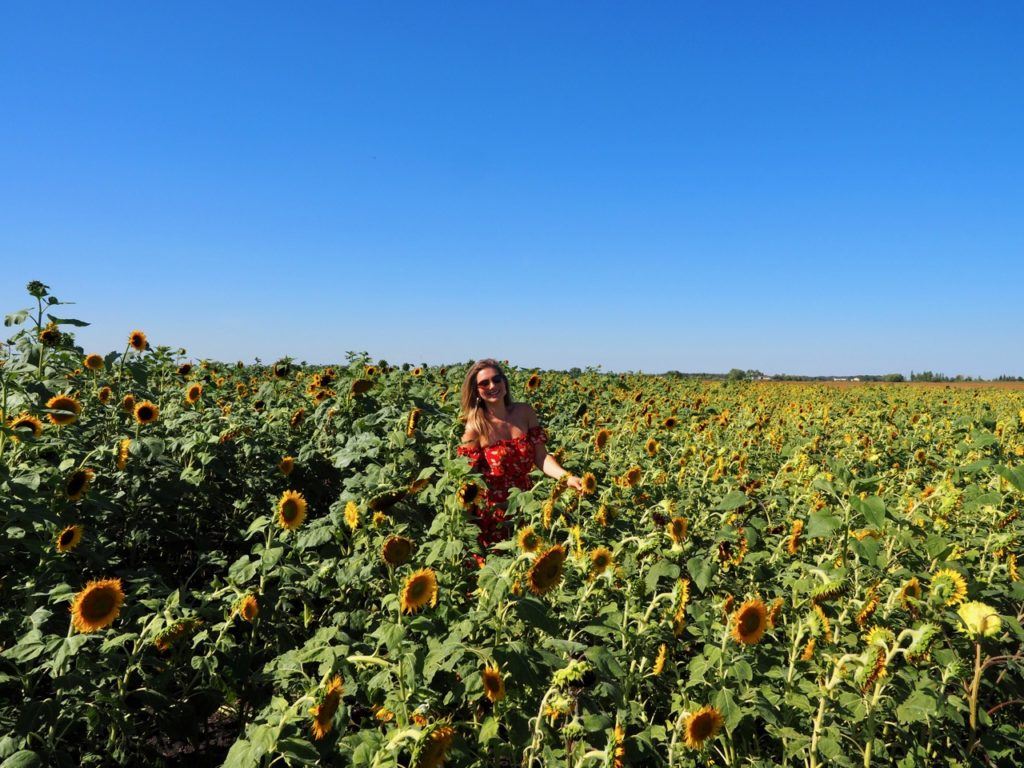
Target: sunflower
x: 370, y: 370
x: 589, y: 483
x: 651, y: 447
x: 24, y: 424
x: 413, y: 421
x: 600, y: 560
x: 291, y: 510
x: 78, y: 483
x: 146, y: 412
x: 677, y: 528
x: 128, y: 403
x: 632, y: 477
x: 50, y: 336
x: 793, y: 542
x: 352, y: 515
x: 420, y: 588
x: 174, y: 633
x: 417, y: 371
x: 979, y: 620
x: 286, y: 465
x: 670, y: 423
x: 360, y: 387
x: 468, y: 493
x: 323, y: 713
x: 103, y: 394
x: 659, y: 660
x: 533, y: 382
x: 396, y: 550
x: 702, y: 725
x: 96, y: 606
x: 601, y: 438
x: 494, y: 683
x: 949, y: 586
x: 185, y: 369
x: 546, y: 571
x: 528, y: 539
x: 137, y: 341
x: 68, y: 538
x: 435, y: 749
x: 69, y: 409
x: 249, y: 608
x: 93, y: 362
x: 193, y: 393
x: 749, y: 622
x: 122, y: 452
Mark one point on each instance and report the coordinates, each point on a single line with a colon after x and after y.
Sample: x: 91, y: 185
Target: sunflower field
x: 208, y: 563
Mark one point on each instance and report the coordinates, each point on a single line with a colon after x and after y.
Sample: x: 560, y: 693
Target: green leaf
x: 68, y: 321
x: 24, y: 758
x: 299, y: 749
x: 917, y: 708
x: 872, y: 509
x: 1014, y: 477
x: 732, y: 500
x: 488, y: 730
x: 657, y: 571
x: 821, y: 524
x: 16, y: 318
x: 701, y: 571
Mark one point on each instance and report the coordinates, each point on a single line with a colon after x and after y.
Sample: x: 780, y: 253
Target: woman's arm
x: 545, y: 462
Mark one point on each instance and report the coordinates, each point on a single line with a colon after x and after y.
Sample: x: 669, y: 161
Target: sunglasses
x: 495, y: 380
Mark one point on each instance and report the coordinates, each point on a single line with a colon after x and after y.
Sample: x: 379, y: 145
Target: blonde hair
x: 473, y: 407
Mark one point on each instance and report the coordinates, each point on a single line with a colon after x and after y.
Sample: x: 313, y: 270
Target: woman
x: 504, y: 442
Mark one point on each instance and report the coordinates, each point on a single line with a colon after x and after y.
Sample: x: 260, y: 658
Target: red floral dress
x: 504, y: 465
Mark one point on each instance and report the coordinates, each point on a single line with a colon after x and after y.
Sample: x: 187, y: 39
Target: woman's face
x: 490, y: 385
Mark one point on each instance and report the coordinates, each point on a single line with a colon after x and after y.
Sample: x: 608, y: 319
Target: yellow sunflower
x: 361, y: 386
x: 659, y: 660
x: 413, y: 421
x: 589, y: 484
x: 651, y: 447
x: 396, y: 550
x: 352, y: 515
x: 78, y: 483
x: 323, y: 713
x: 793, y: 543
x: 69, y: 538
x: 702, y: 725
x: 249, y: 608
x: 25, y: 424
x: 128, y: 403
x: 949, y: 586
x: 435, y: 749
x: 546, y: 571
x: 122, y: 452
x: 749, y: 622
x: 286, y: 465
x: 50, y: 336
x: 494, y: 683
x: 96, y: 606
x: 103, y: 394
x: 185, y: 369
x: 670, y: 423
x: 420, y: 588
x: 632, y: 477
x: 677, y: 528
x: 146, y: 412
x: 68, y: 410
x: 417, y: 371
x: 468, y: 493
x: 137, y: 341
x: 533, y: 382
x: 601, y: 438
x: 193, y: 393
x: 93, y: 362
x: 291, y: 510
x: 528, y: 539
x: 600, y: 560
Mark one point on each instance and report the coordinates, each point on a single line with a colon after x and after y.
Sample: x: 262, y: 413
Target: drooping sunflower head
x: 122, y: 452
x: 528, y: 539
x: 50, y: 336
x: 26, y: 425
x: 434, y: 748
x: 291, y: 510
x: 93, y: 362
x: 249, y: 608
x: 286, y: 465
x: 702, y: 725
x: 420, y: 588
x: 413, y: 421
x: 193, y: 393
x: 600, y: 560
x: 352, y: 515
x: 360, y: 387
x: 677, y: 528
x: 589, y: 484
x: 137, y: 341
x: 979, y: 619
x: 601, y: 438
x: 185, y: 369
x: 749, y: 622
x: 146, y: 412
x: 67, y: 410
x: 546, y: 571
x: 68, y: 538
x: 651, y: 447
x: 632, y: 477
x: 104, y: 394
x: 396, y: 550
x: 96, y: 606
x: 128, y: 403
x: 325, y: 709
x: 949, y: 587
x: 78, y: 483
x: 494, y: 683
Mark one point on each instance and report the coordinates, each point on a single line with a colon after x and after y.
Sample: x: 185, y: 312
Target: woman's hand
x: 574, y: 482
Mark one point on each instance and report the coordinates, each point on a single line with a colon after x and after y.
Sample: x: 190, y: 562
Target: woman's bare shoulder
x: 470, y: 436
x: 528, y: 414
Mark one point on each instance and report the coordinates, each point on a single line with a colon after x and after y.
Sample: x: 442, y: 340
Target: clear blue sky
x: 793, y: 187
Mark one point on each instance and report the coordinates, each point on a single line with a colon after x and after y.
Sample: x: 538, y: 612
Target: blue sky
x: 792, y: 187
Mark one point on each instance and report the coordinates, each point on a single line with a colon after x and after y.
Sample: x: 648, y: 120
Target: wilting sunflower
x: 137, y: 341
x: 70, y: 406
x: 601, y: 438
x: 68, y: 538
x: 420, y: 588
x: 546, y: 571
x: 122, y: 452
x: 146, y: 412
x: 249, y: 608
x: 93, y: 362
x: 528, y: 539
x: 50, y: 336
x: 676, y: 529
x: 467, y: 493
x: 413, y: 421
x: 494, y: 683
x: 96, y: 606
x: 979, y: 620
x: 352, y: 515
x: 702, y: 725
x: 589, y: 484
x: 286, y: 465
x: 749, y: 622
x: 291, y: 510
x: 949, y: 586
x: 78, y: 483
x: 600, y: 560
x: 103, y: 394
x: 360, y: 387
x: 175, y: 632
x: 323, y: 713
x: 435, y: 748
x: 193, y: 393
x: 396, y: 550
x: 25, y: 424
x: 185, y: 369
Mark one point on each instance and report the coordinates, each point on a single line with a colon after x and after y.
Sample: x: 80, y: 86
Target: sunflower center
x: 749, y: 622
x: 701, y: 727
x: 97, y: 605
x: 66, y: 537
x: 289, y: 510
